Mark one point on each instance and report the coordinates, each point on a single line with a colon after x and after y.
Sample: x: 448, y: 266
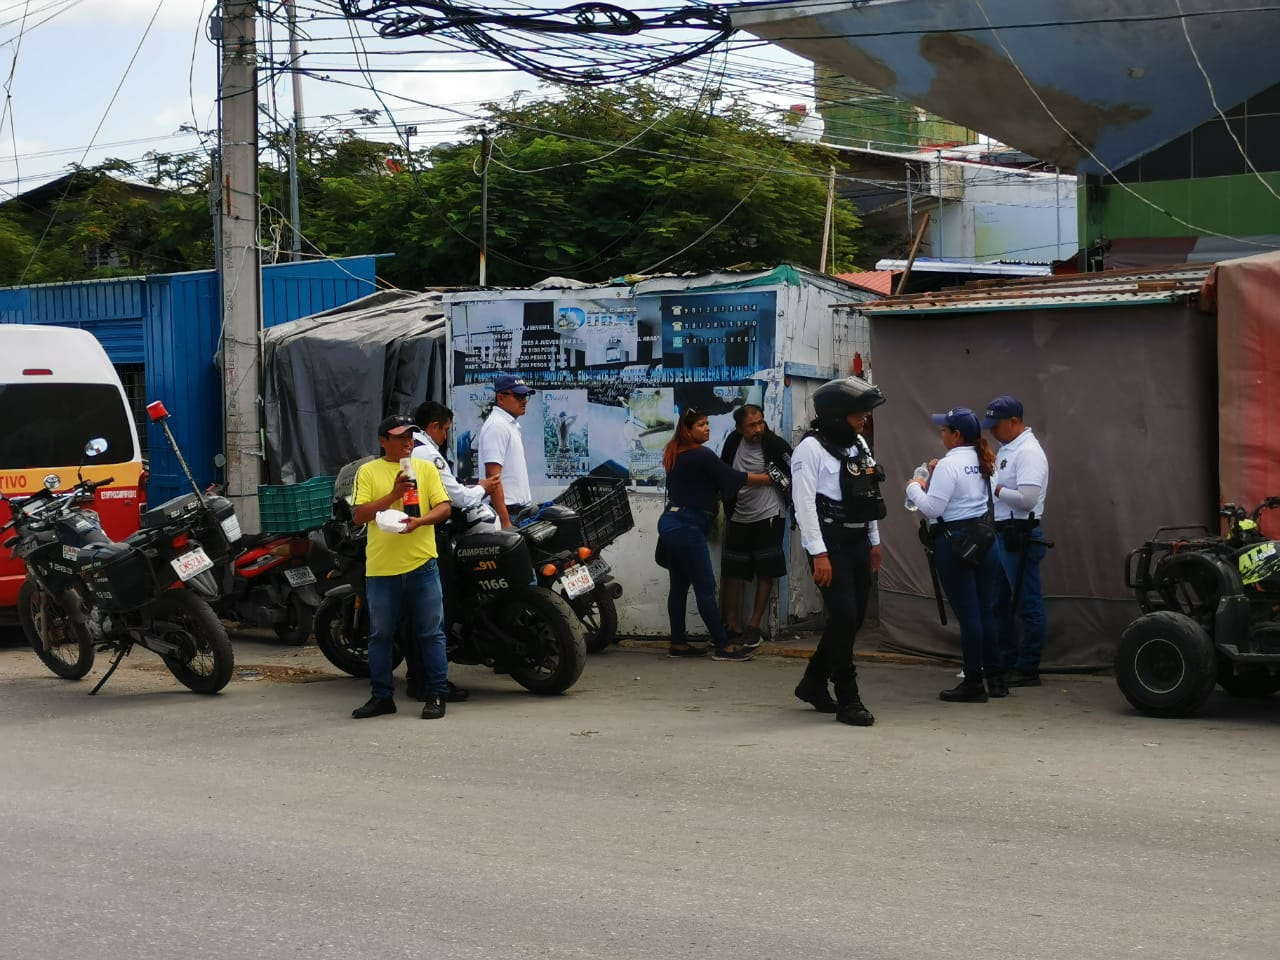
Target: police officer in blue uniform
x: 835, y: 485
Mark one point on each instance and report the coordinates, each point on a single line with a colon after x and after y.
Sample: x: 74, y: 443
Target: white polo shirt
x: 957, y: 489
x: 813, y: 472
x: 461, y: 495
x: 500, y: 442
x: 1021, y: 466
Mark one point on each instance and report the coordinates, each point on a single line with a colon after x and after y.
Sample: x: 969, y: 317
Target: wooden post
x: 911, y: 257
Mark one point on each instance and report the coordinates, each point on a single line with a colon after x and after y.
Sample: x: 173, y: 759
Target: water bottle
x: 921, y: 473
x: 410, y: 501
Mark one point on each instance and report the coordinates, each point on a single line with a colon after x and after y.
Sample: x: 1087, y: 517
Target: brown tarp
x: 1123, y: 398
x: 1247, y: 292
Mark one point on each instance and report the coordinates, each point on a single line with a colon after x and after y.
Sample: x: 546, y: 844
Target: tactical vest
x: 860, y: 478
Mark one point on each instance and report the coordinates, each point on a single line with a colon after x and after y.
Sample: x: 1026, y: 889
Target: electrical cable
x: 1213, y: 97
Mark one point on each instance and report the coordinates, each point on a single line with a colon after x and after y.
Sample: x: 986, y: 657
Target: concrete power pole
x: 238, y: 265
x: 295, y: 131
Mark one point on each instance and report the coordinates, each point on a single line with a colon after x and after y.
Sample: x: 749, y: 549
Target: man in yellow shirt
x: 400, y: 568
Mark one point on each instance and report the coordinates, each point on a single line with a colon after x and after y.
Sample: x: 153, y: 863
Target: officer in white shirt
x: 957, y: 493
x: 500, y: 448
x: 835, y: 487
x: 434, y: 420
x: 1022, y: 482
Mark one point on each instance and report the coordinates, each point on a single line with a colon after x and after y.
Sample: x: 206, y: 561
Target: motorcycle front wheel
x: 183, y: 619
x: 342, y: 634
x: 599, y: 617
x: 66, y: 651
x: 550, y: 648
x: 295, y: 628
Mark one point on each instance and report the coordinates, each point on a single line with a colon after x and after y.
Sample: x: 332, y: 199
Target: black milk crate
x: 602, y: 505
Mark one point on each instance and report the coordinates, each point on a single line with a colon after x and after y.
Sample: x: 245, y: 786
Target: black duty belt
x: 1017, y: 524
x: 951, y: 526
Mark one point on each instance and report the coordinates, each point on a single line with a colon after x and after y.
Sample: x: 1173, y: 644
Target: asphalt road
x: 663, y: 809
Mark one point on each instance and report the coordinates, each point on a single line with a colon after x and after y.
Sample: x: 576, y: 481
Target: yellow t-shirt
x: 391, y: 554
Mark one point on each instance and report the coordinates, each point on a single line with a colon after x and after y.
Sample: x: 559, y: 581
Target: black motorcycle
x: 84, y: 591
x: 587, y: 517
x: 499, y: 617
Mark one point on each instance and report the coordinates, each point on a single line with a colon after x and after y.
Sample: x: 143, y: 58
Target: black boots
x: 813, y: 690
x: 967, y: 691
x: 853, y: 712
x: 849, y: 706
x: 1023, y: 679
x: 997, y: 685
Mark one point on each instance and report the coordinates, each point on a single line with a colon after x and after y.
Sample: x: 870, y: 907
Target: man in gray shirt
x: 757, y: 521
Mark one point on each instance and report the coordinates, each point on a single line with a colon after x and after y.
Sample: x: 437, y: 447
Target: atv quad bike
x: 1210, y: 615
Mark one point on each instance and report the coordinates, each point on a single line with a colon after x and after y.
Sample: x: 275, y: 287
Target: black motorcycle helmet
x: 836, y: 399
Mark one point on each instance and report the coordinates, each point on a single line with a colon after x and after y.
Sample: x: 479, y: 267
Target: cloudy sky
x: 63, y: 62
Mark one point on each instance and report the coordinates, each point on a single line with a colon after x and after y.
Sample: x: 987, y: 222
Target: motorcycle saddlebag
x: 117, y: 575
x: 568, y: 529
x: 492, y: 560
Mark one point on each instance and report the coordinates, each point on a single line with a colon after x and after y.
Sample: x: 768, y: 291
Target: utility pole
x: 484, y: 204
x: 238, y: 265
x: 295, y: 130
x: 826, y: 220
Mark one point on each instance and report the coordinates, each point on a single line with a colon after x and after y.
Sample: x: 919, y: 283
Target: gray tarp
x: 330, y: 378
x: 1123, y: 399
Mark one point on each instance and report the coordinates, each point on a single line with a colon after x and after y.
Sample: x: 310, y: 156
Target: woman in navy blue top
x: 697, y: 480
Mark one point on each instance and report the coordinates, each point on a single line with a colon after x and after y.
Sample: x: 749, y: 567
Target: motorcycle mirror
x: 95, y: 447
x: 219, y: 460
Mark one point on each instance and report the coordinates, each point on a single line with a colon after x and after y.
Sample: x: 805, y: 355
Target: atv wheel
x: 1166, y: 665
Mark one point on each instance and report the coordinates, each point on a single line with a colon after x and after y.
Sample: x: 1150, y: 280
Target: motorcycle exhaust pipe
x: 614, y: 589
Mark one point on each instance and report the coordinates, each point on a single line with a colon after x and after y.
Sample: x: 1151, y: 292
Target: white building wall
x: 992, y: 213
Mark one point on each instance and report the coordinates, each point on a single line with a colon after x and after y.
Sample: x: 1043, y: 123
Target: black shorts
x: 754, y: 549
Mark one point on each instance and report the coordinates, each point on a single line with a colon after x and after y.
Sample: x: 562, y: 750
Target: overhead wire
x: 1213, y: 98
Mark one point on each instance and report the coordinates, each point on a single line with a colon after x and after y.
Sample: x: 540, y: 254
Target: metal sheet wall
x: 171, y: 323
x: 109, y: 309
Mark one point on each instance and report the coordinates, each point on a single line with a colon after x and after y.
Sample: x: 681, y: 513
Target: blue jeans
x: 684, y: 534
x: 418, y: 592
x: 1023, y: 656
x: 972, y: 594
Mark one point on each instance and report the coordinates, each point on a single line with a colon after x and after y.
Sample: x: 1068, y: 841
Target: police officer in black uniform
x: 835, y: 485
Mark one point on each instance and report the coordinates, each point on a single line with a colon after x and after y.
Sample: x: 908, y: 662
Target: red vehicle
x: 270, y: 583
x: 58, y: 387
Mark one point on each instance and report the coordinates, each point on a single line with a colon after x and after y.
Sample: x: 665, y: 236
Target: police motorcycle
x: 501, y: 618
x: 84, y: 591
x: 1210, y: 615
x: 566, y: 538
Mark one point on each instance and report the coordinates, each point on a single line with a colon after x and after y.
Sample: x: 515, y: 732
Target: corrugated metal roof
x: 877, y: 281
x: 1111, y: 288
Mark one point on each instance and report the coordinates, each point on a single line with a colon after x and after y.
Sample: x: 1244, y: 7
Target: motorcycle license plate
x: 231, y: 529
x: 191, y: 564
x: 598, y: 568
x: 299, y: 576
x: 577, y: 582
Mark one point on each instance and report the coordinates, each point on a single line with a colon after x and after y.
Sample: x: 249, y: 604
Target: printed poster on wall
x: 612, y: 375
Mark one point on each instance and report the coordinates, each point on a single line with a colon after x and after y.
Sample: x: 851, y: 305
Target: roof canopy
x: 1059, y: 79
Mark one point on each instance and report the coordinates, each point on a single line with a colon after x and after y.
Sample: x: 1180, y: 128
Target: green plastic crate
x: 295, y: 507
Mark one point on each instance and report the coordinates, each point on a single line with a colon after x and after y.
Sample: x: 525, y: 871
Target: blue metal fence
x: 171, y: 323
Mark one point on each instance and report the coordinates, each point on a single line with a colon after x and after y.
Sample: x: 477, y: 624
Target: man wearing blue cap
x: 501, y: 447
x: 1022, y: 480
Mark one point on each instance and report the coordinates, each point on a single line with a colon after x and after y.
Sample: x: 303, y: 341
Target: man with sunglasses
x: 501, y: 447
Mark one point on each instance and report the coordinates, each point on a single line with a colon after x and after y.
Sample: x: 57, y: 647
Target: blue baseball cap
x: 962, y: 419
x: 1001, y: 408
x: 515, y: 385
